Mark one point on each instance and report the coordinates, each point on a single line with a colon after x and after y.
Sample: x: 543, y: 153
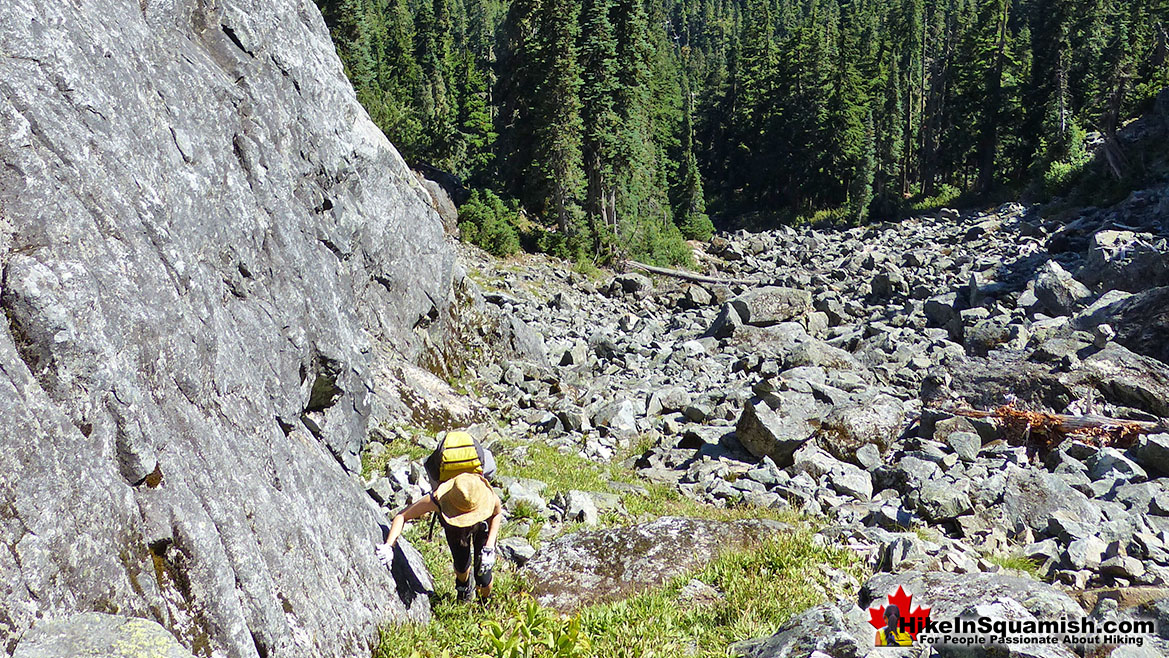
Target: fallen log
x: 1045, y: 431
x: 690, y: 276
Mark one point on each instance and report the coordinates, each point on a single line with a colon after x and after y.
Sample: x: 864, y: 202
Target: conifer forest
x: 602, y: 128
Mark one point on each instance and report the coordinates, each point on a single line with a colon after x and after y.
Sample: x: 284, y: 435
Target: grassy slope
x: 761, y: 588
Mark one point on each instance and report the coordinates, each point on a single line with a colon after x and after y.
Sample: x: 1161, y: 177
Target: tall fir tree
x: 557, y: 121
x: 600, y: 119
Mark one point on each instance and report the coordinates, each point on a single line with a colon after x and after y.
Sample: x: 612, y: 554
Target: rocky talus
x: 834, y: 386
x: 215, y: 271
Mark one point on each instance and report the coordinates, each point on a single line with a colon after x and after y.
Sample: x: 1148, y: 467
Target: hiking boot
x: 463, y: 591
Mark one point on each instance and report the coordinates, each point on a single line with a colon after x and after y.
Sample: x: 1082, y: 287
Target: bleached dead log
x: 690, y: 276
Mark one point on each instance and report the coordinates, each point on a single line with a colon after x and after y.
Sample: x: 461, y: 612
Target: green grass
x: 1016, y: 562
x: 761, y: 588
x: 564, y: 471
x: 395, y: 448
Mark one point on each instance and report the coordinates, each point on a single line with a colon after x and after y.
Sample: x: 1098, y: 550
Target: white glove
x: 385, y: 555
x: 486, y: 559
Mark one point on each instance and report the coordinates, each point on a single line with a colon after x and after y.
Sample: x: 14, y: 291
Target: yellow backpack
x: 459, y: 454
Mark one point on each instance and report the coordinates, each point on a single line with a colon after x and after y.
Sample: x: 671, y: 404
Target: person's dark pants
x: 466, y: 546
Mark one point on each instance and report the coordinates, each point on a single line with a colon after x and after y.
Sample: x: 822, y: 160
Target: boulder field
x: 845, y: 383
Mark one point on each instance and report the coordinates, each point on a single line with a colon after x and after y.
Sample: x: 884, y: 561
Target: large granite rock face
x: 207, y: 247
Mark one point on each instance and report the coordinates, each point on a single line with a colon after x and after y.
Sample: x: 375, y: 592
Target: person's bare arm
x: 494, y: 524
x: 417, y: 509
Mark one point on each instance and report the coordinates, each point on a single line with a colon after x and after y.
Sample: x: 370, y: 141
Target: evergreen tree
x: 557, y: 122
x: 518, y: 76
x: 600, y: 118
x: 619, y: 122
x: 690, y: 206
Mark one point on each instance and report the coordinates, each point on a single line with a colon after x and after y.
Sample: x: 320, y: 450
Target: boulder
x: 526, y: 342
x: 525, y: 493
x: 851, y: 481
x: 888, y: 283
x: 990, y: 334
x: 726, y: 323
x: 846, y: 428
x: 1140, y: 321
x: 696, y: 296
x: 776, y: 434
x: 842, y: 630
x: 790, y: 344
x: 1112, y: 464
x: 985, y: 382
x: 633, y: 283
x: 589, y: 567
x: 668, y: 400
x: 209, y: 251
x: 578, y: 506
x: 763, y: 307
x: 1152, y: 452
x: 965, y: 444
x: 1123, y: 377
x: 1058, y: 291
x: 842, y: 477
x: 619, y: 416
x: 99, y: 635
x: 829, y: 630
x: 1123, y: 260
x: 940, y: 310
x: 951, y: 595
x: 516, y: 550
x: 943, y: 501
x: 1033, y: 498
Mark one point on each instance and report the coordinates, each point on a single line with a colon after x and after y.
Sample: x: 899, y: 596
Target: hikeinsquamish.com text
x: 986, y: 631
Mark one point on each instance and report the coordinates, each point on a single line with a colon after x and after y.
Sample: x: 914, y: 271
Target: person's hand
x: 486, y: 559
x: 385, y: 554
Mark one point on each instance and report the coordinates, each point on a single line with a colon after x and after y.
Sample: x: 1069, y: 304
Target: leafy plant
x: 535, y: 631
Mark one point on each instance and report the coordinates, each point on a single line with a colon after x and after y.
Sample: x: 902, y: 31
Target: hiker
x: 459, y: 458
x: 471, y: 515
x: 458, y: 452
x: 892, y: 635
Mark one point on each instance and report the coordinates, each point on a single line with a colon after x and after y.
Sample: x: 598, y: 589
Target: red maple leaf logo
x: 912, y: 622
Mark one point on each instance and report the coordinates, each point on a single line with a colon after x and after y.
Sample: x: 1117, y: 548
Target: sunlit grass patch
x: 759, y: 589
x: 1016, y: 562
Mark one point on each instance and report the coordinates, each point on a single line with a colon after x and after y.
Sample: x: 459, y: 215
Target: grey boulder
x: 1034, y: 498
x: 1141, y: 322
x: 593, y: 566
x: 99, y: 635
x: 1123, y: 260
x: 849, y: 427
x: 829, y: 630
x: 777, y: 434
x: 1058, y: 291
x: 763, y: 307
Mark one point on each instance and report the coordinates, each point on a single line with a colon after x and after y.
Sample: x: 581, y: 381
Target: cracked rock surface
x: 208, y: 251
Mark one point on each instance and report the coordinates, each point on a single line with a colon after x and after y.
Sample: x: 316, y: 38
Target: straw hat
x: 465, y: 500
